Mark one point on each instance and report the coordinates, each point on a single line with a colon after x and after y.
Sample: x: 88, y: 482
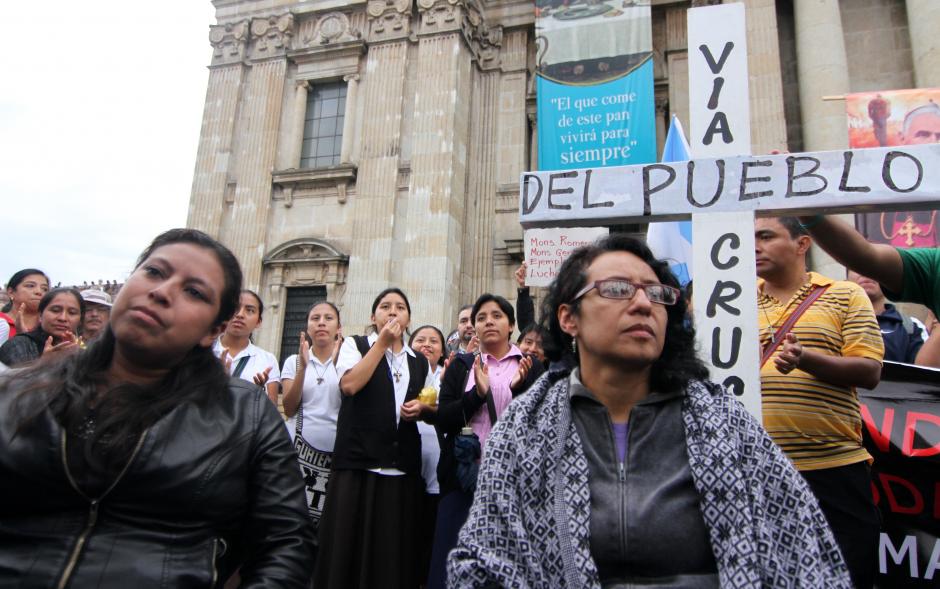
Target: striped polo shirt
x: 818, y: 424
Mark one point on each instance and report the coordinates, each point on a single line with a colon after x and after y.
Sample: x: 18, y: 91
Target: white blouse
x: 321, y: 400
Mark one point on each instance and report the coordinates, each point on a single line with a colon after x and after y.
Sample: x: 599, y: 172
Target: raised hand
x: 20, y: 322
x: 226, y: 360
x: 262, y: 377
x: 447, y: 361
x: 520, y: 273
x: 68, y: 345
x: 391, y: 332
x: 524, y: 366
x: 304, y: 349
x: 481, y: 374
x: 473, y: 345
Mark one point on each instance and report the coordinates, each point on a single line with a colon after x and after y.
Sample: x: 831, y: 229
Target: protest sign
x: 547, y: 249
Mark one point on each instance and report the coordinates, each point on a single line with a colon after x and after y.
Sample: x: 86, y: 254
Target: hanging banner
x: 901, y: 430
x: 594, y: 84
x: 893, y: 118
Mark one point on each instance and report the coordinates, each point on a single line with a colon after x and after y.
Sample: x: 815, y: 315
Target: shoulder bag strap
x: 299, y: 416
x: 491, y: 407
x: 784, y: 329
x: 240, y: 367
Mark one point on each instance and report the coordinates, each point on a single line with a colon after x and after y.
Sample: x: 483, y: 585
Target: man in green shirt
x: 906, y: 275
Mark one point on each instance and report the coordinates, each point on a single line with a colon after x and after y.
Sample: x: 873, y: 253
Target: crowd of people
x: 140, y: 441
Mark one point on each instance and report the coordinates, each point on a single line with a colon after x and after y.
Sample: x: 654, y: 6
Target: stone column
x: 434, y: 230
x: 662, y: 123
x: 349, y: 118
x: 923, y: 18
x: 823, y: 71
x: 245, y: 227
x: 213, y: 156
x: 768, y: 123
x: 300, y: 116
x: 373, y: 237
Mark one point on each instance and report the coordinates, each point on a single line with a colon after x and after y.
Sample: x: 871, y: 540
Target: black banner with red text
x: 901, y: 427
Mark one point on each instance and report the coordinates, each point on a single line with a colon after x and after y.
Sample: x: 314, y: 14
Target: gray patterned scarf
x: 530, y: 521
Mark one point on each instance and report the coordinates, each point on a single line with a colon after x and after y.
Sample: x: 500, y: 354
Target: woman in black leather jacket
x: 138, y: 462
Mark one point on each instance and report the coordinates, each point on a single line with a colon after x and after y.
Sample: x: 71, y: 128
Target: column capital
x: 351, y: 78
x: 662, y: 104
x: 389, y: 19
x: 302, y: 85
x: 228, y: 42
x: 271, y: 36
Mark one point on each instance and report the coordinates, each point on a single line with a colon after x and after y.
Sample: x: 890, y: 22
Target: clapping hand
x: 524, y: 366
x: 262, y: 377
x: 481, y: 375
x: 790, y: 354
x: 68, y: 345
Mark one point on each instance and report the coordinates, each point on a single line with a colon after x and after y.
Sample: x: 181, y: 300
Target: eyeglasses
x: 617, y: 288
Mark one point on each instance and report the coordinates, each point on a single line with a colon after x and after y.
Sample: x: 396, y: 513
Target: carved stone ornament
x: 484, y: 40
x: 333, y: 28
x: 272, y: 35
x: 439, y: 16
x: 228, y: 41
x: 389, y: 19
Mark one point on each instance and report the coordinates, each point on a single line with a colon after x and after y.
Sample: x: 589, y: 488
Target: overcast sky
x: 100, y: 108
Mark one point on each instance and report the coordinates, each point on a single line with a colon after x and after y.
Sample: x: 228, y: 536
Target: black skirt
x: 369, y: 534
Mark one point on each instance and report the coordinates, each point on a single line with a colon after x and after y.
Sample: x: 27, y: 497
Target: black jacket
x: 455, y: 408
x: 366, y: 434
x: 23, y: 347
x: 210, y: 487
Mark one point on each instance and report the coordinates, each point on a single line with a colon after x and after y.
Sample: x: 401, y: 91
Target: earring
x: 574, y: 346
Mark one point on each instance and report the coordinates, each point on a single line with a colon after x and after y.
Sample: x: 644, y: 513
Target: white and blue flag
x: 672, y: 240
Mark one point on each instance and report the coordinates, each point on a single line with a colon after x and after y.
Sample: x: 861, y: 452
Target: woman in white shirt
x: 314, y: 383
x: 429, y: 340
x: 241, y: 358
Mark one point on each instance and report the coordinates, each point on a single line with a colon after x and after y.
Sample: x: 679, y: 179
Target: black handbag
x: 315, y: 468
x: 468, y: 450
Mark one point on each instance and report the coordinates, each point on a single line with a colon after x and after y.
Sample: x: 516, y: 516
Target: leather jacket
x: 209, y: 487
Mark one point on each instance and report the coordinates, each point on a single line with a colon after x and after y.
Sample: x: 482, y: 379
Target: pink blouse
x: 501, y: 372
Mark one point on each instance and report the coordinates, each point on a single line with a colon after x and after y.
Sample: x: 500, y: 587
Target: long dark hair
x: 440, y: 334
x: 15, y: 281
x: 47, y: 299
x: 69, y: 387
x: 382, y: 295
x: 678, y: 363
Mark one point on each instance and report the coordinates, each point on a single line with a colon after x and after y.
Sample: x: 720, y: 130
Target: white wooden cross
x: 722, y: 192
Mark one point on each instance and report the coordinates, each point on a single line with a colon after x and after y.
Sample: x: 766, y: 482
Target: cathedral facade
x: 350, y: 145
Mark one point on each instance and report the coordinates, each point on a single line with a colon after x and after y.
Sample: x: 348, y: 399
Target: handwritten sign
x: 725, y: 302
x: 547, y: 249
x: 720, y: 117
x: 830, y: 181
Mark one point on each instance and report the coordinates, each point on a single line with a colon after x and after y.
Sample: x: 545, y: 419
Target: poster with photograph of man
x: 884, y: 119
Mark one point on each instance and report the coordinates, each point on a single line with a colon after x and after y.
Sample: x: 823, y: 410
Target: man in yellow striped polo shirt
x: 810, y: 406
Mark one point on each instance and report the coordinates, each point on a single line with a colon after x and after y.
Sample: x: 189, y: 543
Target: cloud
x: 100, y: 112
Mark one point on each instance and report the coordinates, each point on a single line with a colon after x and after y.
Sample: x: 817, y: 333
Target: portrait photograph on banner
x: 896, y: 118
x: 594, y: 83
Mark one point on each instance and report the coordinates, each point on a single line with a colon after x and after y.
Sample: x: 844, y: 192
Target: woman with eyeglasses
x: 630, y: 469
